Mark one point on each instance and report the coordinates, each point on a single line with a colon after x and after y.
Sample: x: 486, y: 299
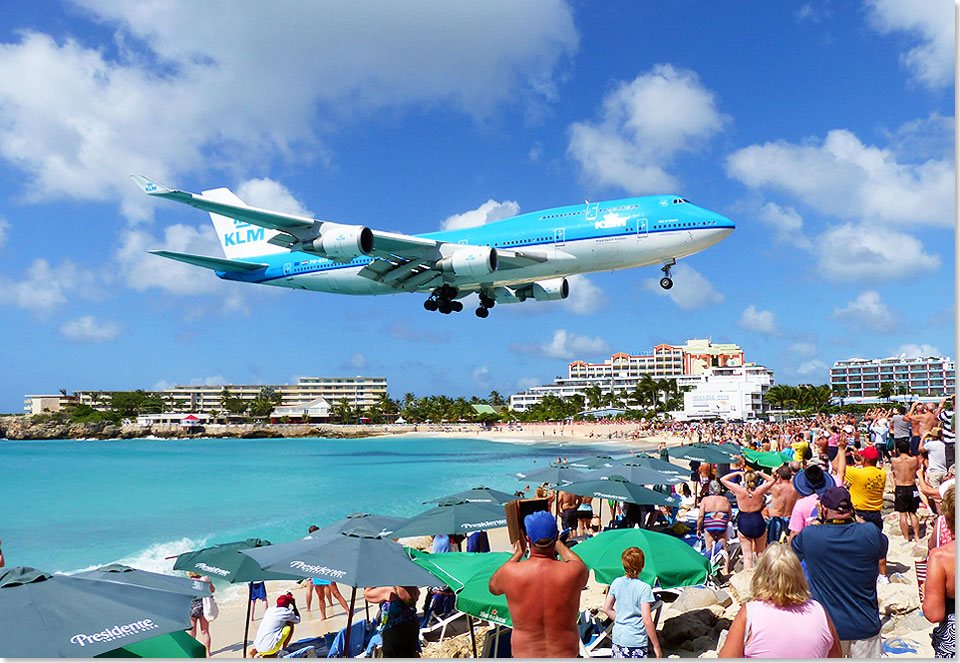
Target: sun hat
x: 540, y: 525
x: 837, y: 498
x: 804, y: 486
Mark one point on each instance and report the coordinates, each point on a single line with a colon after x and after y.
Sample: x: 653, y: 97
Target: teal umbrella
x: 361, y: 523
x: 668, y: 561
x: 172, y: 645
x: 479, y: 494
x: 618, y: 488
x: 647, y: 460
x: 637, y: 473
x: 45, y: 615
x: 131, y: 576
x: 453, y: 518
x: 553, y: 475
x: 593, y: 462
x: 704, y: 453
x: 468, y: 575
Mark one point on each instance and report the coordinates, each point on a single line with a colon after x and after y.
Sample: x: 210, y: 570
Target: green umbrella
x: 172, y: 645
x: 131, y: 576
x: 668, y: 561
x: 468, y: 574
x: 704, y: 453
x: 453, y: 518
x: 770, y: 459
x: 553, y: 475
x: 478, y: 494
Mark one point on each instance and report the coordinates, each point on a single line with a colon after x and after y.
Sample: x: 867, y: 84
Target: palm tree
x: 495, y: 398
x: 594, y: 396
x: 886, y: 390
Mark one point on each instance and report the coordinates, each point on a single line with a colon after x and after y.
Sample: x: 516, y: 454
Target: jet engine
x: 542, y: 291
x: 474, y: 261
x: 340, y: 241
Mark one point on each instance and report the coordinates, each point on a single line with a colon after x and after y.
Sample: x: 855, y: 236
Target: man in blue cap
x: 543, y: 593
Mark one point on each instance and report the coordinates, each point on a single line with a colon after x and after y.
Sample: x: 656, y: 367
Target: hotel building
x: 924, y: 376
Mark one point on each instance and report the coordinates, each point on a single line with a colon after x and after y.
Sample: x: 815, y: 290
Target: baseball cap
x: 540, y: 525
x: 870, y: 453
x: 284, y: 600
x: 837, y: 498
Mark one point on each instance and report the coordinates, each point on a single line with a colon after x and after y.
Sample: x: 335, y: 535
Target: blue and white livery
x: 525, y: 257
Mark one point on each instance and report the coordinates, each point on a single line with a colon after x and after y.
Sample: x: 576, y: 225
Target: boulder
x: 723, y: 598
x: 692, y: 598
x: 740, y: 586
x: 909, y: 623
x: 687, y: 626
x: 897, y: 599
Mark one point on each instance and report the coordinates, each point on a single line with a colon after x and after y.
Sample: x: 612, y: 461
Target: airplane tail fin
x: 240, y: 239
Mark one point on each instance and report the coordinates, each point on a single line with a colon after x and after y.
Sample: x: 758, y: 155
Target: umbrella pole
x: 246, y: 624
x: 346, y: 641
x: 496, y: 641
x: 473, y: 636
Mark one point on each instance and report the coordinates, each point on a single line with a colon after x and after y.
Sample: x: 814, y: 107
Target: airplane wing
x: 217, y: 264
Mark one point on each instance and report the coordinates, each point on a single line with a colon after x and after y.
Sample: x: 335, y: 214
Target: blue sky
x: 824, y: 130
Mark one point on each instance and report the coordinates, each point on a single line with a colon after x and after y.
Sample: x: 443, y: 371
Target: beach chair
x: 596, y: 639
x: 496, y: 643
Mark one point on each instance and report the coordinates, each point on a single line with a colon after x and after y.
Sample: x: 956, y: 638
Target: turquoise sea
x: 67, y: 505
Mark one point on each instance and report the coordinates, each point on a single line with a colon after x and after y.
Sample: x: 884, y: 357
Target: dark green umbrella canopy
x: 351, y: 559
x: 618, y: 488
x: 704, y: 453
x: 468, y: 574
x: 636, y: 473
x: 654, y: 463
x: 453, y: 518
x: 668, y: 561
x: 360, y: 523
x: 44, y: 615
x: 172, y: 645
x: 478, y: 494
x: 593, y: 462
x: 131, y: 576
x: 554, y: 475
x: 225, y: 561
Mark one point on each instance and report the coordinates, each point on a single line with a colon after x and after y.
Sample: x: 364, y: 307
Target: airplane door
x: 592, y: 210
x: 288, y: 270
x: 641, y: 228
x: 559, y: 236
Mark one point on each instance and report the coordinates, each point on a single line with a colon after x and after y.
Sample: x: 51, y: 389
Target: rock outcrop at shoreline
x: 23, y: 427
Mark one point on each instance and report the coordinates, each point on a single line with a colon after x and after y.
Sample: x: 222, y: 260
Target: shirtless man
x: 567, y: 504
x: 782, y: 498
x: 906, y: 495
x: 543, y: 594
x: 922, y: 419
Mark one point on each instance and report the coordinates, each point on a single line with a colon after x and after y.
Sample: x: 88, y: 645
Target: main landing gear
x: 666, y: 282
x: 486, y: 303
x: 442, y: 300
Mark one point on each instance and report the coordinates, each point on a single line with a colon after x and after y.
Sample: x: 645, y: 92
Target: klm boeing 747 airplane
x: 514, y: 260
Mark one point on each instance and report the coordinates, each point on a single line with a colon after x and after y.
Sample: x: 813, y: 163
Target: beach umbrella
x: 704, y: 453
x: 554, y: 475
x: 637, y: 473
x: 128, y: 575
x: 654, y: 463
x: 769, y: 459
x: 478, y: 494
x: 354, y: 559
x: 618, y: 488
x: 46, y: 615
x: 361, y: 523
x: 468, y: 575
x: 668, y: 561
x: 453, y: 518
x: 172, y: 645
x: 592, y: 462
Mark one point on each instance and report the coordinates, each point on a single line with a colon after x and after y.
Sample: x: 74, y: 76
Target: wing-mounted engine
x: 336, y: 241
x: 470, y: 261
x: 542, y: 291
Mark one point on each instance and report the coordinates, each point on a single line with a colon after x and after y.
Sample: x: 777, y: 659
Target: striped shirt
x: 946, y: 425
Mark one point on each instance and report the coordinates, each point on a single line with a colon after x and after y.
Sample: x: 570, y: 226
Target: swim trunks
x: 906, y: 499
x: 871, y: 517
x: 619, y: 651
x: 568, y: 518
x: 751, y: 524
x: 258, y: 591
x: 318, y: 581
x: 196, y: 609
x: 914, y: 445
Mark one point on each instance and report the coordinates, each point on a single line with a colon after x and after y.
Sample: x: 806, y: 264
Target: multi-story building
x: 729, y: 392
x: 38, y: 404
x: 622, y: 372
x: 925, y: 376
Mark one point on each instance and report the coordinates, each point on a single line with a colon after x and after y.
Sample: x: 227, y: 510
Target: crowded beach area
x: 683, y: 540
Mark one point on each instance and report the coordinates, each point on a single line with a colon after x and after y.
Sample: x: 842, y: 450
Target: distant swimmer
x: 544, y: 623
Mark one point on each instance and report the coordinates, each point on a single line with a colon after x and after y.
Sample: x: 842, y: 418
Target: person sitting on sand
x: 276, y: 627
x: 939, y: 589
x: 750, y: 523
x: 628, y: 605
x: 781, y: 620
x: 544, y: 622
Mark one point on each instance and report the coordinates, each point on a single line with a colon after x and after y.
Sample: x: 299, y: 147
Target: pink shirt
x: 798, y: 631
x: 801, y: 516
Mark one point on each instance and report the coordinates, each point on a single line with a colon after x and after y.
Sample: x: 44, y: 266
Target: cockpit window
x: 677, y: 201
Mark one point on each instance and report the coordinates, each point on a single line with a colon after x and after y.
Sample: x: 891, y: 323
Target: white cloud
x: 786, y: 223
x: 812, y: 367
x: 481, y: 377
x: 199, y: 85
x: 931, y: 62
x: 45, y: 287
x: 584, y: 297
x: 86, y: 329
x: 488, y: 212
x: 525, y: 383
x: 4, y: 227
x: 644, y: 124
x: 845, y: 178
x: 143, y: 270
x: 857, y: 252
x: 762, y: 322
x: 209, y: 381
x: 803, y: 349
x: 357, y: 361
x: 690, y: 289
x: 914, y: 350
x: 269, y: 194
x: 867, y: 313
x: 565, y: 345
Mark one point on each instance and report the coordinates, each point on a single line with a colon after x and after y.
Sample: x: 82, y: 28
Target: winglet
x: 149, y: 186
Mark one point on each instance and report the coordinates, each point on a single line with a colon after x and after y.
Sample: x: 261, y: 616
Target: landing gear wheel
x: 456, y: 306
x: 445, y: 308
x: 666, y: 283
x: 483, y: 312
x: 487, y: 302
x: 430, y: 305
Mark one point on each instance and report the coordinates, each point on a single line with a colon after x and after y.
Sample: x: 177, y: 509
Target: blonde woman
x: 781, y: 621
x: 628, y: 605
x: 751, y: 526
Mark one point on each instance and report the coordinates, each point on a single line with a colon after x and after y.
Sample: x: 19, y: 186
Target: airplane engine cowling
x: 550, y: 290
x: 342, y: 241
x: 475, y: 261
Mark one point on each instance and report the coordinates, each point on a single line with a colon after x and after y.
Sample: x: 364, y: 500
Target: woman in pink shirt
x: 781, y: 621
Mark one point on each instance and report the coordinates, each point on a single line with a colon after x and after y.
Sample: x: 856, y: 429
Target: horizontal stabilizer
x: 218, y: 264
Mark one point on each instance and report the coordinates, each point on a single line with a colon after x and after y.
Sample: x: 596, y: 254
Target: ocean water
x: 67, y: 505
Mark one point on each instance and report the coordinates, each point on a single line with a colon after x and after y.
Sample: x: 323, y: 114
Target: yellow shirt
x: 866, y: 487
x: 799, y: 448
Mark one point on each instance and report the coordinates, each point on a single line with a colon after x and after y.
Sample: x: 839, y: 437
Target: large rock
x: 740, y: 586
x: 692, y: 598
x: 723, y: 598
x: 910, y: 623
x: 688, y: 626
x: 897, y: 599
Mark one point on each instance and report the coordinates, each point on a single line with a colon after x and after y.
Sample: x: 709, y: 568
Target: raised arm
x: 498, y: 580
x: 842, y: 458
x: 729, y: 485
x: 572, y: 558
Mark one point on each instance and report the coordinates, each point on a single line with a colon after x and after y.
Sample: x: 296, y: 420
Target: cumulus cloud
x: 86, y: 329
x: 142, y: 270
x: 643, y: 125
x: 786, y: 223
x: 357, y: 361
x: 931, y: 61
x: 867, y: 313
x: 525, y: 383
x: 45, y: 287
x: 858, y: 252
x: 488, y: 212
x: 845, y: 178
x: 690, y: 288
x: 270, y: 194
x: 481, y: 377
x: 565, y: 345
x: 585, y: 297
x: 761, y: 322
x: 812, y: 367
x: 803, y: 349
x: 4, y: 227
x: 77, y: 120
x: 914, y: 350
